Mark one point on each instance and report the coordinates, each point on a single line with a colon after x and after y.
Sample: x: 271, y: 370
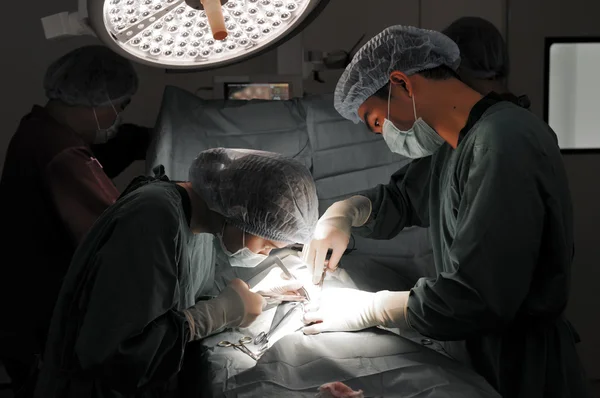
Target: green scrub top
x: 117, y: 329
x: 500, y: 219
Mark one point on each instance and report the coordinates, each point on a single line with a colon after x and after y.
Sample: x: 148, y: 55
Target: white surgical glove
x: 346, y: 310
x: 286, y: 290
x: 235, y: 306
x: 333, y: 232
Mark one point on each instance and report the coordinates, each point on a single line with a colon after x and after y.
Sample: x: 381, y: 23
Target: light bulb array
x: 169, y: 31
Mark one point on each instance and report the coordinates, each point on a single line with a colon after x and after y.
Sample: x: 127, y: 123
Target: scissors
x: 241, y: 345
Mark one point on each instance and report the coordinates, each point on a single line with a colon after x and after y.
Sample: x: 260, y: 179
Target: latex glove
x: 333, y: 232
x: 346, y: 310
x: 235, y: 306
x: 286, y: 290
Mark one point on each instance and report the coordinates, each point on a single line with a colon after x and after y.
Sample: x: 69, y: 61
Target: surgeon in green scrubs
x: 489, y: 182
x: 131, y: 300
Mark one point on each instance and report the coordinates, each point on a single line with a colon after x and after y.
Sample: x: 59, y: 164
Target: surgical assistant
x: 130, y: 303
x: 484, y: 64
x: 55, y: 183
x: 489, y: 182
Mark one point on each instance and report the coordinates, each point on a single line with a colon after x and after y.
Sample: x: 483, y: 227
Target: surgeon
x: 130, y: 304
x: 488, y: 180
x: 484, y: 63
x: 55, y: 183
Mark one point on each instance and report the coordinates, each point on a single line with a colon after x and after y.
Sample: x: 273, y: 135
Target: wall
x: 343, y: 22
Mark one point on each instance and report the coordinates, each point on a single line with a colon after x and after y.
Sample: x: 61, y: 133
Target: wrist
x: 361, y: 209
x: 230, y: 307
x: 211, y: 316
x: 356, y: 210
x: 391, y: 309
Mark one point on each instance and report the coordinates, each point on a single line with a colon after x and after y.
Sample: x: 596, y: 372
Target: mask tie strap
x: 389, y: 99
x: 414, y: 107
x: 114, y: 109
x: 100, y: 129
x: 96, y: 117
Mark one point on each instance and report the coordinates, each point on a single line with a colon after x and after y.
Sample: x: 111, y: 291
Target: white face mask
x: 244, y: 257
x: 104, y: 135
x: 418, y: 142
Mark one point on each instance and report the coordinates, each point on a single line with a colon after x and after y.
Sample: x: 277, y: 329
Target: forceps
x: 241, y: 345
x: 263, y: 338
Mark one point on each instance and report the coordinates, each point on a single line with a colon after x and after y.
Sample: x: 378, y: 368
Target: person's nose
x: 266, y: 252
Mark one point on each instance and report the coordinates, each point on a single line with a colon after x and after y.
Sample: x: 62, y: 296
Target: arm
x: 377, y: 214
x: 498, y: 233
x: 132, y: 333
x: 402, y: 203
x: 80, y: 190
x: 129, y: 145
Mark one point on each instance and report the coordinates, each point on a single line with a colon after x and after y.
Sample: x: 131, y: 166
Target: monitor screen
x: 573, y: 93
x: 263, y: 91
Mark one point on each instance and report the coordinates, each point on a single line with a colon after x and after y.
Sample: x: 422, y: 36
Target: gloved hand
x: 253, y: 303
x: 333, y: 232
x: 346, y: 310
x: 235, y: 306
x: 290, y: 286
x: 286, y: 290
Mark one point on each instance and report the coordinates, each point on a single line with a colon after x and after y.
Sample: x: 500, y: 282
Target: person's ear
x: 399, y: 79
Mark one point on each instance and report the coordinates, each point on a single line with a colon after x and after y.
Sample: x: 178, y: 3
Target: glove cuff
x: 357, y: 209
x: 212, y: 316
x: 362, y: 208
x: 391, y: 308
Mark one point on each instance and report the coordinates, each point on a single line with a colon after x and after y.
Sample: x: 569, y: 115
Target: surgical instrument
x: 302, y: 290
x: 263, y: 338
x: 283, y: 297
x: 241, y: 345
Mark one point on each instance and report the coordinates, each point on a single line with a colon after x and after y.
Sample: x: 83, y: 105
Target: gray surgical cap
x: 482, y: 49
x: 91, y: 76
x: 398, y: 48
x: 262, y: 193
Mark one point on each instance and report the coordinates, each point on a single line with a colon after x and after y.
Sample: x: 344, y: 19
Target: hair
x: 441, y: 72
x: 483, y: 50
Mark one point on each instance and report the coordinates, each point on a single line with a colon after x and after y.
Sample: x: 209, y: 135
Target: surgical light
x: 189, y: 34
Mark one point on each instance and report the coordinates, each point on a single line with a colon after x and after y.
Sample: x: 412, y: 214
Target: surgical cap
x: 482, y: 49
x: 262, y: 193
x: 91, y: 76
x: 398, y: 48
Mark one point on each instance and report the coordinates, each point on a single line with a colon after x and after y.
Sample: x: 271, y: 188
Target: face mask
x: 244, y: 257
x: 420, y: 141
x: 104, y: 135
